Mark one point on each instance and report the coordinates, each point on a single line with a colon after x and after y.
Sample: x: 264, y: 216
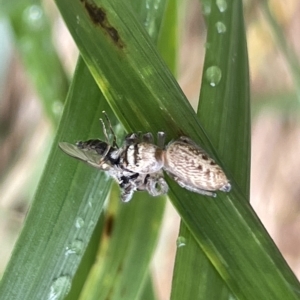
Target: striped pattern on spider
x: 138, y: 164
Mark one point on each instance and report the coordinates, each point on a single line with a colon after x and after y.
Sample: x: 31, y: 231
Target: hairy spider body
x: 192, y: 168
x: 138, y: 164
x: 141, y: 155
x: 183, y: 160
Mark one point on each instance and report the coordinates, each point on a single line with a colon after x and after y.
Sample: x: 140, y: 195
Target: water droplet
x: 213, y: 75
x: 221, y: 28
x: 147, y: 4
x: 222, y: 5
x: 180, y: 242
x: 79, y: 222
x: 60, y: 288
x: 75, y: 248
x: 91, y: 224
x: 156, y: 4
x: 33, y: 17
x: 206, y: 8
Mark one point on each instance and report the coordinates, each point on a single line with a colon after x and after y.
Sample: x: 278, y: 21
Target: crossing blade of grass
x: 168, y: 36
x: 194, y: 277
x: 224, y: 107
x: 76, y: 123
x: 148, y: 293
x: 121, y: 270
x: 122, y: 58
x: 87, y: 261
x: 66, y: 207
x: 221, y: 110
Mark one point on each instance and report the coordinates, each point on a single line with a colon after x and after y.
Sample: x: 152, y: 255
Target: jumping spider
x: 138, y: 164
x: 123, y: 163
x: 183, y: 160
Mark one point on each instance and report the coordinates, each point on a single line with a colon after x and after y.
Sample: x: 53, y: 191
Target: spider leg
x: 156, y: 184
x: 148, y: 138
x: 131, y: 139
x: 126, y: 194
x: 129, y: 184
x: 111, y: 130
x: 161, y: 139
x: 106, y: 139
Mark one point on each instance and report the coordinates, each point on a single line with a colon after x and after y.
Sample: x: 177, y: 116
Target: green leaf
x: 144, y: 96
x: 194, y: 277
x: 131, y: 63
x: 121, y: 270
x: 66, y: 207
x: 87, y: 262
x: 33, y: 38
x: 222, y: 109
x: 168, y: 36
x: 147, y: 293
x: 76, y: 122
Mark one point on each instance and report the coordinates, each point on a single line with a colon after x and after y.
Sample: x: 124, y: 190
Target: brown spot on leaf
x: 212, y: 163
x: 113, y: 34
x: 200, y: 167
x: 99, y: 17
x: 204, y: 156
x: 109, y: 224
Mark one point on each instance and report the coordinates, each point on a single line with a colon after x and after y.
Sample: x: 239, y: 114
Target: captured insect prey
x: 138, y: 164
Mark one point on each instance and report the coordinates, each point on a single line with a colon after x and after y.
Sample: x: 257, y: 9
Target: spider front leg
x: 131, y: 139
x: 126, y: 194
x: 156, y: 184
x: 129, y: 184
x: 161, y: 136
x: 148, y: 138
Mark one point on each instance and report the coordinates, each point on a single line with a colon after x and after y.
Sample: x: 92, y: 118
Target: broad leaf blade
x: 66, y: 207
x: 225, y: 114
x: 121, y: 271
x: 224, y: 107
x: 135, y: 65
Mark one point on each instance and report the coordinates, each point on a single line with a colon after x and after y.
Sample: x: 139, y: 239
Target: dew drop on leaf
x: 221, y: 28
x: 222, y: 5
x: 180, y: 242
x: 213, y: 75
x: 60, y: 288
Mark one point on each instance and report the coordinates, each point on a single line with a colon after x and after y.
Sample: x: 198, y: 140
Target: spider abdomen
x: 188, y: 163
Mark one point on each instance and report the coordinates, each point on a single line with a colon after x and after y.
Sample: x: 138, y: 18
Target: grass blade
x: 66, y: 207
x: 222, y: 109
x: 134, y: 63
